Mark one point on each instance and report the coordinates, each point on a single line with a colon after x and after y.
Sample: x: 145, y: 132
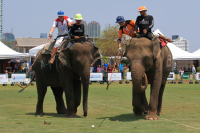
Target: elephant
x: 149, y: 64
x: 70, y: 69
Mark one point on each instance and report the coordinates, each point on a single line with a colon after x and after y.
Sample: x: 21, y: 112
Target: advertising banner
x: 128, y: 76
x: 96, y: 76
x: 185, y: 76
x: 115, y: 76
x: 18, y: 77
x: 3, y: 78
x: 197, y: 76
x: 171, y: 76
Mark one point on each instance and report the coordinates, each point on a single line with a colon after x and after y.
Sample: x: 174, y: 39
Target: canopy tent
x: 35, y: 50
x: 197, y: 52
x: 8, y: 53
x: 179, y: 54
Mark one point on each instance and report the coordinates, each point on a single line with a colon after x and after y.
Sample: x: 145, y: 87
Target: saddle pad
x: 48, y: 48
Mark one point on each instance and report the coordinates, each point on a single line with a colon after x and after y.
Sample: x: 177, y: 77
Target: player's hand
x: 76, y: 37
x: 145, y: 31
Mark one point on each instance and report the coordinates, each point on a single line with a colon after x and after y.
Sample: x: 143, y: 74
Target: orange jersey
x: 126, y: 30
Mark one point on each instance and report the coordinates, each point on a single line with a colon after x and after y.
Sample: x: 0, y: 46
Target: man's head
x: 142, y: 10
x: 78, y: 18
x: 61, y: 15
x: 120, y: 20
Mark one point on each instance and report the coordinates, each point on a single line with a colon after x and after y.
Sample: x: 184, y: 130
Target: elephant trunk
x: 139, y: 79
x: 85, y: 78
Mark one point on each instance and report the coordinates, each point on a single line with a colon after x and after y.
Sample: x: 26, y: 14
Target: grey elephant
x: 69, y: 71
x: 149, y: 64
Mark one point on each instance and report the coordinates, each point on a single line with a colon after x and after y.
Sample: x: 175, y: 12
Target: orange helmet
x: 142, y: 8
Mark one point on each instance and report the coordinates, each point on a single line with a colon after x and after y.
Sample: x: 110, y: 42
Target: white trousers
x: 58, y: 41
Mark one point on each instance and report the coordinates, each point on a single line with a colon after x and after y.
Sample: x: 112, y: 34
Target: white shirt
x: 193, y: 69
x: 62, y: 25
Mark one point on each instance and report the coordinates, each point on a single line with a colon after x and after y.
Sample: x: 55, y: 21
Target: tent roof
x: 179, y: 54
x: 35, y: 50
x: 197, y: 52
x: 8, y: 53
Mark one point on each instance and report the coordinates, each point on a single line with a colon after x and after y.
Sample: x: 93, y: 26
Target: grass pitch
x: 110, y: 111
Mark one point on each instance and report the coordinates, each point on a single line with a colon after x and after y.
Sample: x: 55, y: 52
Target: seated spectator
x: 102, y: 68
x: 91, y: 69
x: 95, y: 69
x: 109, y: 69
x: 15, y: 69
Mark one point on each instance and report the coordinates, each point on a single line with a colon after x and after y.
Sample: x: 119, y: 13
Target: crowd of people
x: 107, y: 68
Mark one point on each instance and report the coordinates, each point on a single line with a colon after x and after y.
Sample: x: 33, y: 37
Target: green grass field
x: 110, y: 111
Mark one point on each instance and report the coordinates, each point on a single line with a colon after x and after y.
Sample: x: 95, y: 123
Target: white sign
x: 115, y: 76
x: 128, y: 76
x: 197, y: 76
x: 96, y: 76
x: 170, y: 76
x: 18, y: 77
x: 3, y: 78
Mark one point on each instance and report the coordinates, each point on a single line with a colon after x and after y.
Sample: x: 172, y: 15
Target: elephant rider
x: 126, y: 27
x: 77, y: 30
x: 61, y: 23
x: 145, y: 23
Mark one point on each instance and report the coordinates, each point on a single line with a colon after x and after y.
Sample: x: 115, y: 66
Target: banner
x: 197, y: 76
x: 128, y: 76
x: 185, y: 76
x: 96, y: 76
x: 115, y: 76
x: 18, y: 77
x: 171, y: 76
x: 3, y: 78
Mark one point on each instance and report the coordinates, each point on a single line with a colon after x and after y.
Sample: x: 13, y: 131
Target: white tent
x: 197, y: 52
x: 179, y: 54
x: 35, y: 50
x: 8, y: 53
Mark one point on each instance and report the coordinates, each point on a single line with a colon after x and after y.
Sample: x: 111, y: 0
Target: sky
x: 29, y: 18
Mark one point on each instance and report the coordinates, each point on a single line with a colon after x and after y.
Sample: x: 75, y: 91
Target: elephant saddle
x: 48, y: 48
x: 163, y: 42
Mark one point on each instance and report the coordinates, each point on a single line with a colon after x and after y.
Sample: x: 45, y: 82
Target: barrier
x: 96, y: 76
x: 171, y: 76
x: 115, y: 76
x: 3, y: 78
x: 128, y: 76
x: 17, y: 77
x: 198, y: 76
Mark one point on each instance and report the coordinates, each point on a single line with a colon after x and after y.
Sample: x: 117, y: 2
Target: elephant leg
x: 58, y: 94
x: 155, y: 89
x: 77, y: 93
x: 41, y: 90
x: 69, y: 94
x: 138, y: 107
x: 145, y: 103
x: 160, y: 99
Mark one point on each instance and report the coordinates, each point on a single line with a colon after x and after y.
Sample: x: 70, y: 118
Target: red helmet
x: 142, y: 8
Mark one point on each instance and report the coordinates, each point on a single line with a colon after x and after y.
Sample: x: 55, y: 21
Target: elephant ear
x: 64, y: 57
x: 95, y: 54
x: 156, y: 48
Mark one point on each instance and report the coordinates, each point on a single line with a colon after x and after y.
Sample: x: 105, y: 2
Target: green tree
x: 8, y: 43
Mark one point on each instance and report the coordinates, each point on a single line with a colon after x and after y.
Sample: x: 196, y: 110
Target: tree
x: 107, y: 43
x: 8, y: 43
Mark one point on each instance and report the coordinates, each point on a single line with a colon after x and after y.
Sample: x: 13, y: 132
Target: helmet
x: 78, y: 17
x: 120, y: 19
x: 142, y: 8
x: 60, y: 13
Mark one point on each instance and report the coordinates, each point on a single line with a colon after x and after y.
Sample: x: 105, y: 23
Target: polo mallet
x: 31, y: 69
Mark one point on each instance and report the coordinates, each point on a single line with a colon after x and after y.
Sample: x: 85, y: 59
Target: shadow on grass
x: 50, y: 115
x: 124, y: 117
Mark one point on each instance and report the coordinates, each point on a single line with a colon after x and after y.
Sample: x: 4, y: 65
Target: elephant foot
x: 151, y: 116
x: 41, y: 113
x: 62, y: 110
x: 159, y: 113
x: 138, y: 111
x: 70, y: 115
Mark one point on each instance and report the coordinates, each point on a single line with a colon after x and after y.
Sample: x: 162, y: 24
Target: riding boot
x: 165, y: 38
x: 53, y: 53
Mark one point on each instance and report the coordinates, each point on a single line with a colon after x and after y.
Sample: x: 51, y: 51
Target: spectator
x: 109, y: 69
x: 99, y: 69
x: 91, y: 69
x: 181, y: 71
x: 102, y: 68
x: 121, y: 69
x: 193, y: 72
x: 15, y: 69
x: 95, y: 69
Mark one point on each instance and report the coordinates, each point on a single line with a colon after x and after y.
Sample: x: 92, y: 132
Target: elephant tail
x: 23, y: 88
